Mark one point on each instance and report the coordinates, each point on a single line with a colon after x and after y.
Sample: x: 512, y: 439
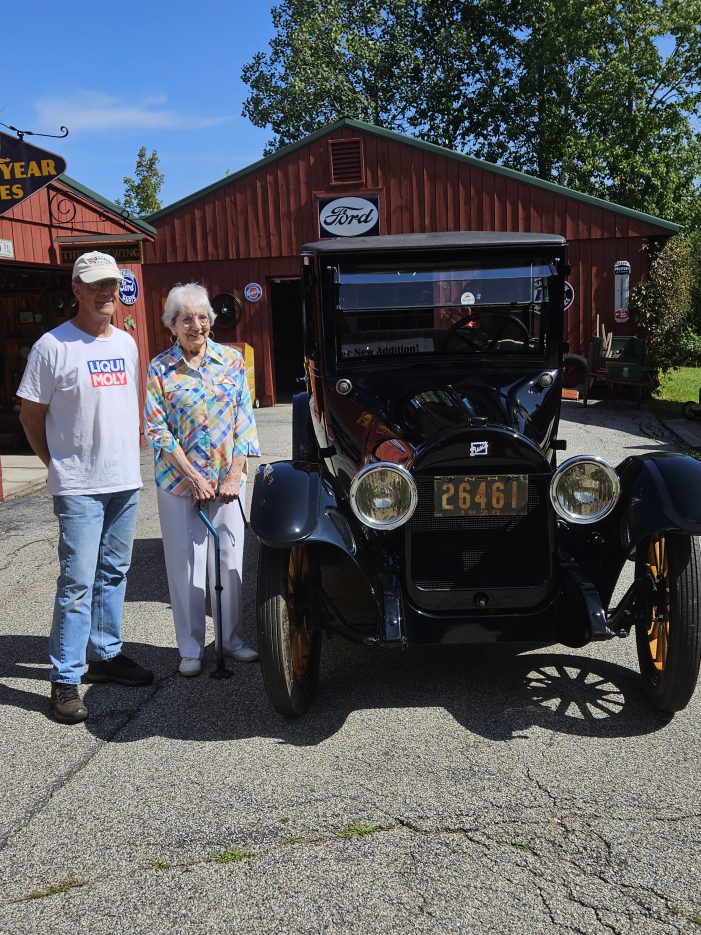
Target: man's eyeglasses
x: 190, y: 320
x: 106, y: 284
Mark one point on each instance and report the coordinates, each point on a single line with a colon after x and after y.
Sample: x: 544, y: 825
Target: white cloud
x: 92, y: 110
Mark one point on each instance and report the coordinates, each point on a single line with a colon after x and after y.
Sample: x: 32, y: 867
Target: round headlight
x: 584, y: 489
x: 383, y: 495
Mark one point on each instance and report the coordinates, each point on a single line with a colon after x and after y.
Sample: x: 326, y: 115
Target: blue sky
x: 119, y: 76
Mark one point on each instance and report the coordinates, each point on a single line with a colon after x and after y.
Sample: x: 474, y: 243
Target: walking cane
x: 219, y: 671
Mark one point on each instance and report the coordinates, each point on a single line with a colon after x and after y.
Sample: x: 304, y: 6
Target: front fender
x: 291, y: 503
x: 661, y: 491
x: 285, y: 503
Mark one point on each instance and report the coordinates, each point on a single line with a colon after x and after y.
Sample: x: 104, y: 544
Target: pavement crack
x: 541, y: 786
x: 62, y: 781
x: 13, y: 555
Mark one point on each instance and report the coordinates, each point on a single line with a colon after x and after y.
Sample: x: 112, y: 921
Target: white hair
x: 191, y: 295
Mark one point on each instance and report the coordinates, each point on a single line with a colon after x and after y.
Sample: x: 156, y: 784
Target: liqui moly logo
x: 108, y: 372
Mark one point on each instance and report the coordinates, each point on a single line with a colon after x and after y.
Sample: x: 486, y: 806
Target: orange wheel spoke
x: 658, y: 629
x: 299, y: 632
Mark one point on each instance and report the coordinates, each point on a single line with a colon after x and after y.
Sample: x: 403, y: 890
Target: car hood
x: 415, y: 408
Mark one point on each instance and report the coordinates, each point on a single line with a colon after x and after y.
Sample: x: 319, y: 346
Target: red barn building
x: 247, y: 230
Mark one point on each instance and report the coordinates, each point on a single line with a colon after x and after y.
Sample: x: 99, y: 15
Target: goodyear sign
x: 24, y: 170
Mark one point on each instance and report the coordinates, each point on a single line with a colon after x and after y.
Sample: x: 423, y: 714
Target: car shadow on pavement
x: 498, y: 692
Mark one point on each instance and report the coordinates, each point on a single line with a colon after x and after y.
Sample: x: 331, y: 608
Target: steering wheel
x: 473, y: 336
x: 517, y: 321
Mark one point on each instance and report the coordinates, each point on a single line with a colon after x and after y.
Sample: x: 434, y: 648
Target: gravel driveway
x: 483, y: 789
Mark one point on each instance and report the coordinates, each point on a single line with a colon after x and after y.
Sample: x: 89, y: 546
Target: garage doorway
x: 33, y: 300
x: 288, y: 337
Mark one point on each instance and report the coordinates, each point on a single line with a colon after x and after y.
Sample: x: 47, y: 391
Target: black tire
x: 574, y: 369
x: 289, y: 646
x: 690, y: 410
x: 669, y: 639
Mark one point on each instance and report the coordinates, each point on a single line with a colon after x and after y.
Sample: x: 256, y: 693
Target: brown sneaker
x: 120, y: 669
x: 66, y: 703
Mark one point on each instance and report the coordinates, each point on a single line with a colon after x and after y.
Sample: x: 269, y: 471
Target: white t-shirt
x: 92, y: 423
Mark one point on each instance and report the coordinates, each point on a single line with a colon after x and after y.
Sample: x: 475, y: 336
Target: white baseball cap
x: 92, y: 267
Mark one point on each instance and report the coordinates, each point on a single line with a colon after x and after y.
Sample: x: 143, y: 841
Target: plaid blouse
x: 207, y: 411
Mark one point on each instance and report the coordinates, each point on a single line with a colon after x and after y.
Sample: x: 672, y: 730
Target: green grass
x: 232, y: 856
x: 690, y: 917
x: 294, y: 839
x: 159, y: 864
x: 54, y: 889
x: 360, y: 829
x: 676, y: 388
x: 519, y: 845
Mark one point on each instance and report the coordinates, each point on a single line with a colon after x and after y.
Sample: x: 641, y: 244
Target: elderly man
x: 80, y: 415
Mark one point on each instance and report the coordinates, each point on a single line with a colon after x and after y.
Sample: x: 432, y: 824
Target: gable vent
x: 346, y: 161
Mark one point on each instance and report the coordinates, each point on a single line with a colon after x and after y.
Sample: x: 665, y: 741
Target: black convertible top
x: 448, y: 240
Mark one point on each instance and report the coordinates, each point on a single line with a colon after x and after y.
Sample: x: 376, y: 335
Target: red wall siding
x: 55, y: 211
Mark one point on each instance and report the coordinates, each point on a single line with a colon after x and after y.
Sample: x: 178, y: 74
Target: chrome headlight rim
x: 413, y: 495
x: 556, y: 479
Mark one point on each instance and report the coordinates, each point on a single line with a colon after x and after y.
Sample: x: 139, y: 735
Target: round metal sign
x: 129, y: 288
x: 253, y: 292
x: 569, y: 295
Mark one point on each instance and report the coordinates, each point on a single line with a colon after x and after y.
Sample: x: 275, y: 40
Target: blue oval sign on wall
x: 129, y: 289
x: 569, y: 295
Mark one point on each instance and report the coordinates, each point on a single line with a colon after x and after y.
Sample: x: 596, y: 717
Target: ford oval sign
x: 349, y: 217
x: 129, y: 288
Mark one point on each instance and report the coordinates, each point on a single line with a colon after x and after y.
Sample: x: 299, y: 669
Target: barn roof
x: 522, y: 177
x: 110, y: 206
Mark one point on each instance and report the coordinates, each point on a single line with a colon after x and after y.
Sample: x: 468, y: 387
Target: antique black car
x: 424, y: 458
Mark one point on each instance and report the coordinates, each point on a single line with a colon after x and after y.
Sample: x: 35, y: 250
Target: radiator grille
x: 480, y: 552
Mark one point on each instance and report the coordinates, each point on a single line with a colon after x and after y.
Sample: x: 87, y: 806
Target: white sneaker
x: 189, y: 667
x: 242, y: 653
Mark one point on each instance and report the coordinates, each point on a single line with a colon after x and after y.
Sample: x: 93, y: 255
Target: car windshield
x: 408, y: 309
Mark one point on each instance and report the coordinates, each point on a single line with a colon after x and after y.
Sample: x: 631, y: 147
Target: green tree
x: 598, y: 95
x: 141, y: 193
x: 329, y: 59
x: 663, y: 305
x: 621, y: 125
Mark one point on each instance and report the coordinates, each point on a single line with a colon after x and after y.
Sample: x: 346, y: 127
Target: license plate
x: 498, y: 495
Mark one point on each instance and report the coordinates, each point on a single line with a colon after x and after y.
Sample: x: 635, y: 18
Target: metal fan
x: 228, y: 309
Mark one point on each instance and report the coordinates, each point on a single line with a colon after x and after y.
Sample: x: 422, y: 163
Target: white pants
x: 190, y: 560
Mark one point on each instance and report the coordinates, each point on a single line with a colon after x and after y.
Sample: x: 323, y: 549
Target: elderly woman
x: 199, y: 420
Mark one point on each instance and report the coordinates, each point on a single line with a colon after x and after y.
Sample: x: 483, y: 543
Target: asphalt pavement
x: 484, y: 789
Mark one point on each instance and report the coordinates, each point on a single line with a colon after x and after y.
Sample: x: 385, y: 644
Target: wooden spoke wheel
x: 668, y: 637
x: 288, y: 643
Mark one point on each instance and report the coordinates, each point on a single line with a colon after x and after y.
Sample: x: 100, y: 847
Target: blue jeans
x: 96, y: 533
